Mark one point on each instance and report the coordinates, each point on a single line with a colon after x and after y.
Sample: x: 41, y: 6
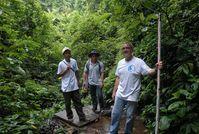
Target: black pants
x: 96, y: 96
x: 75, y: 97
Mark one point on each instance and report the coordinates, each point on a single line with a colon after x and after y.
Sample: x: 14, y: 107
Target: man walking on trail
x: 93, y: 79
x: 68, y: 71
x: 127, y: 87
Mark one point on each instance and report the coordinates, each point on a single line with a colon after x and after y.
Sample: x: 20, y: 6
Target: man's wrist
x: 65, y: 72
x: 155, y: 71
x: 85, y: 81
x: 101, y: 81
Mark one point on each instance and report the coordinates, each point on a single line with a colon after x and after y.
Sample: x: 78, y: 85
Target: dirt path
x: 99, y: 127
x: 102, y: 127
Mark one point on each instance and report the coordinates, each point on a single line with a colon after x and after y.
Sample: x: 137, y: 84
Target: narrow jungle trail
x: 99, y: 127
x: 97, y: 124
x: 102, y: 127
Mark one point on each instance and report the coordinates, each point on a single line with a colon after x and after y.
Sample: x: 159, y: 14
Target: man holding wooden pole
x: 127, y: 87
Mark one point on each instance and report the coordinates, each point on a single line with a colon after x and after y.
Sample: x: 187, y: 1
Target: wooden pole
x: 158, y: 78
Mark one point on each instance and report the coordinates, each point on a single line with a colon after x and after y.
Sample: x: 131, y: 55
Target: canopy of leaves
x: 33, y: 33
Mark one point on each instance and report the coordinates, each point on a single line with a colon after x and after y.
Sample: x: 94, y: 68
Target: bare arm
x: 153, y: 71
x: 63, y: 72
x: 77, y: 76
x: 115, y: 87
x: 85, y: 77
x: 102, y: 70
x: 102, y: 79
x: 85, y: 80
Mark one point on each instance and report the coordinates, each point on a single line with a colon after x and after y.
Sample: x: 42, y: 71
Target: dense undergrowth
x: 34, y: 32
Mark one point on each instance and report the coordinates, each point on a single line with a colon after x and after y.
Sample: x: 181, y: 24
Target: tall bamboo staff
x: 158, y: 78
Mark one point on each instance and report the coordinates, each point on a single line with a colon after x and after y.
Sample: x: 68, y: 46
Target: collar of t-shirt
x: 97, y: 62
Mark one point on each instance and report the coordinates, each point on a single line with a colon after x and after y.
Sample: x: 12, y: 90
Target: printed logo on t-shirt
x: 73, y: 67
x: 131, y: 68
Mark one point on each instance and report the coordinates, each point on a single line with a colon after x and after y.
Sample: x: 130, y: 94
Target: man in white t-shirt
x: 127, y: 87
x: 68, y: 71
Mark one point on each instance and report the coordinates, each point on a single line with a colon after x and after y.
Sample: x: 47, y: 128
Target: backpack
x: 88, y: 64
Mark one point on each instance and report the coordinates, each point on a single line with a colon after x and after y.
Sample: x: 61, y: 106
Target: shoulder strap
x: 67, y: 65
x: 99, y: 66
x: 87, y: 65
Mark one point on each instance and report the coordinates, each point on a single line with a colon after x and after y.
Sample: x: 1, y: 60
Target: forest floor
x: 99, y: 126
x: 102, y: 126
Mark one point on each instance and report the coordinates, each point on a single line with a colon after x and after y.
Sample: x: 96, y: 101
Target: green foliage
x: 178, y: 93
x: 33, y: 33
x: 24, y: 109
x: 27, y: 67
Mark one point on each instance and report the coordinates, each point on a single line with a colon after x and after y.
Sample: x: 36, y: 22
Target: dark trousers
x: 75, y: 97
x: 96, y: 96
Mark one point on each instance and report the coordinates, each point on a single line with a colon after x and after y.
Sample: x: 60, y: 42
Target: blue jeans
x: 96, y: 96
x: 117, y: 112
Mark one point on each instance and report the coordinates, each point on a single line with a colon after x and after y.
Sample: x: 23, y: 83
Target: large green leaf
x: 176, y: 105
x: 164, y: 122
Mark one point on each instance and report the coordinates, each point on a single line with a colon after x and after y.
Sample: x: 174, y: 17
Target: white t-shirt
x: 69, y: 80
x: 94, y: 70
x: 129, y: 73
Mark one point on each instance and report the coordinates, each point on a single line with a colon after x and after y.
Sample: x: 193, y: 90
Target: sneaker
x: 96, y: 111
x: 82, y: 119
x: 70, y: 119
